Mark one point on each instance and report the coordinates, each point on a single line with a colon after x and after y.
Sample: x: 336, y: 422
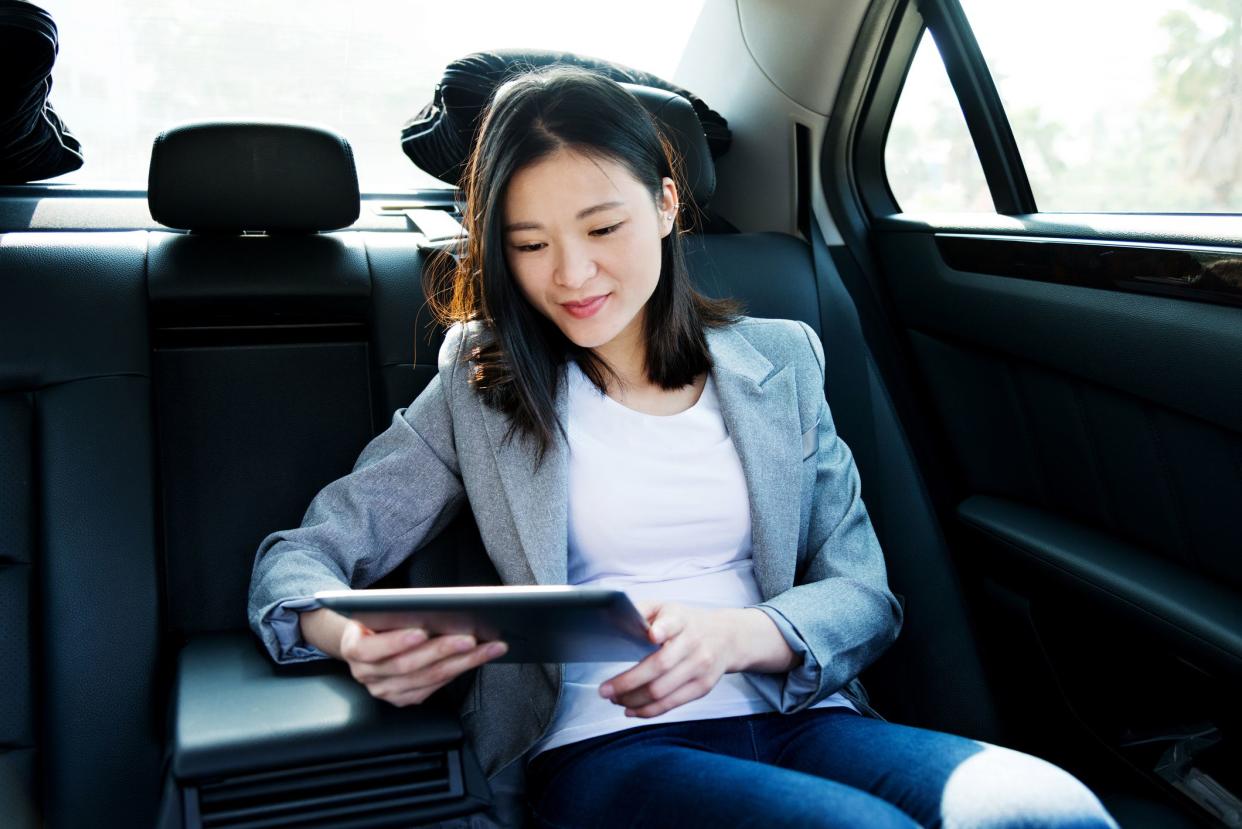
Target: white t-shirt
x: 658, y: 507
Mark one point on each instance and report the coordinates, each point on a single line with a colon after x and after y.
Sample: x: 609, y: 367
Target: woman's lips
x: 585, y: 309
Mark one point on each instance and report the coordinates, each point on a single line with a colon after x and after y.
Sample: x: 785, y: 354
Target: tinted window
x: 929, y: 156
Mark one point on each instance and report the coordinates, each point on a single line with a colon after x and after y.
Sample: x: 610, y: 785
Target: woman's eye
x: 534, y: 247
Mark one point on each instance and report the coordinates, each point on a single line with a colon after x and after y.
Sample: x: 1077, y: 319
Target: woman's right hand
x: 404, y: 666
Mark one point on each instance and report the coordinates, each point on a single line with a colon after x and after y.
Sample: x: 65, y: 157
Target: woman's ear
x: 669, y: 205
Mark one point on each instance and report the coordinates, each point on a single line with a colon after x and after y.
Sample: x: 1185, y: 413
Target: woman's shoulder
x: 781, y: 340
x: 460, y: 339
x: 770, y: 326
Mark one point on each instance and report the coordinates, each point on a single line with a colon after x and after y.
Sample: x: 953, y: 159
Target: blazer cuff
x: 283, y: 620
x: 794, y: 689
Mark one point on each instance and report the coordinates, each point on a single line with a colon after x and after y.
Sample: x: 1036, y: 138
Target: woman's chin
x: 587, y: 333
x: 578, y: 339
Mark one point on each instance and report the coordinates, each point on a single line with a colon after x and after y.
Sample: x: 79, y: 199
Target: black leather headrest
x: 682, y: 127
x: 227, y: 176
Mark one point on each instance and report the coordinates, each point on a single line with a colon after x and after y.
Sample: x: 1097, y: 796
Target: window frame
x: 976, y: 94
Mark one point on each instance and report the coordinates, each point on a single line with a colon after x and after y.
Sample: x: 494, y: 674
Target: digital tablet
x: 540, y: 623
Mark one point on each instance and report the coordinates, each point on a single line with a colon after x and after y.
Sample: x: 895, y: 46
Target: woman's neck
x: 626, y: 354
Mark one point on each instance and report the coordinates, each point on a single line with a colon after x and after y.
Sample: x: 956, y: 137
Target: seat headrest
x: 231, y: 176
x: 683, y: 128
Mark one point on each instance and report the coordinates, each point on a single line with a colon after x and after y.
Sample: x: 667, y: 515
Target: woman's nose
x: 576, y: 267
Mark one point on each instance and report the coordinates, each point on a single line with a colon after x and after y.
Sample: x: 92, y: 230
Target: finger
x: 420, y: 656
x: 667, y: 624
x: 438, y: 673
x: 692, y: 690
x: 661, y: 686
x: 376, y: 647
x: 652, y: 666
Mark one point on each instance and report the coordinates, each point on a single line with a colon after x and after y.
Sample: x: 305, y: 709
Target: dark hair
x: 517, y: 367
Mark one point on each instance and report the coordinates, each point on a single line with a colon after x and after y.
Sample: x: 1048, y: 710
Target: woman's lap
x: 819, y: 767
x: 685, y: 775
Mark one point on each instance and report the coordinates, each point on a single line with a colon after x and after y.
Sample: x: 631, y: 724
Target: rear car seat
x: 79, y: 610
x: 278, y: 349
x: 265, y: 366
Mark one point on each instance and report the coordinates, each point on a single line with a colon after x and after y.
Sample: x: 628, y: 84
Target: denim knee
x: 1000, y: 788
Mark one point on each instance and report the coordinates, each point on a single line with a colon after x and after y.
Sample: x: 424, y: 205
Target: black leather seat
x: 79, y: 607
x: 268, y: 384
x: 260, y: 353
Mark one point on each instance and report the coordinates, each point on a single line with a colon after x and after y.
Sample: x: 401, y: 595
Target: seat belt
x: 846, y: 362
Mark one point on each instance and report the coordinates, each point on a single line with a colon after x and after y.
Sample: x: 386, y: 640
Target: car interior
x: 1046, y: 415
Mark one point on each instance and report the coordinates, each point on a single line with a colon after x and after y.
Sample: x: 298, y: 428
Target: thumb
x: 663, y: 623
x: 650, y: 610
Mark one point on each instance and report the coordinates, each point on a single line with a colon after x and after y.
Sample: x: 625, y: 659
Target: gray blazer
x: 817, y: 561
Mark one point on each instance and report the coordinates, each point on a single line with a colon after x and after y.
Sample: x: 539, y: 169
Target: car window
x: 929, y: 157
x: 1134, y: 110
x: 129, y: 68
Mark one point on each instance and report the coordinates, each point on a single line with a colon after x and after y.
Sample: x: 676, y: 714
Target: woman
x: 610, y: 426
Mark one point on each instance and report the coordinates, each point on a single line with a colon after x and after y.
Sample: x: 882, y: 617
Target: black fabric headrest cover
x: 232, y: 176
x: 439, y: 138
x: 34, y: 142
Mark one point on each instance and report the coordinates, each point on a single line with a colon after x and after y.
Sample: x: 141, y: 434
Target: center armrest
x: 238, y: 711
x: 307, y: 741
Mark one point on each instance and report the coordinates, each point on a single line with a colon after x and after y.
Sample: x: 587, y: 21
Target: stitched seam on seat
x: 71, y: 380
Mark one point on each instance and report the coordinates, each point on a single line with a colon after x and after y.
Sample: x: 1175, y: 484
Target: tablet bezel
x: 540, y: 623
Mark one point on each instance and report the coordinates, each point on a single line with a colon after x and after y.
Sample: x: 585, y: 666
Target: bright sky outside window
x: 1121, y: 107
x: 929, y: 157
x: 130, y: 68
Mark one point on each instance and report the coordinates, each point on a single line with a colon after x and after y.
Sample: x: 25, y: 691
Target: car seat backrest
x: 260, y: 348
x: 276, y: 356
x: 78, y: 591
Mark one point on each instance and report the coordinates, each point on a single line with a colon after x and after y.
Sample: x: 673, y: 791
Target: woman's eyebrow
x: 582, y: 214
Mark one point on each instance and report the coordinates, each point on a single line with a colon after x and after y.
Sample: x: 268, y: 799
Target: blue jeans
x: 818, y: 767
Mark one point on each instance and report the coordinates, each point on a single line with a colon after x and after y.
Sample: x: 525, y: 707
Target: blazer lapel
x: 538, y: 498
x: 758, y: 402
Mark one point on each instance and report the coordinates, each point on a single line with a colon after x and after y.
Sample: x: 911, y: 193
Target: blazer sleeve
x: 405, y: 487
x: 842, y: 615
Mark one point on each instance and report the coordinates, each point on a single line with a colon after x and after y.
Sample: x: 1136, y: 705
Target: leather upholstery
x: 226, y: 177
x: 78, y: 595
x: 684, y: 130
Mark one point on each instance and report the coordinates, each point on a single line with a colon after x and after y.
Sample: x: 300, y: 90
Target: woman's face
x: 582, y: 238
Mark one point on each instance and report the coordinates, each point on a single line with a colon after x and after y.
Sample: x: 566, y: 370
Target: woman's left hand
x: 697, y: 649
